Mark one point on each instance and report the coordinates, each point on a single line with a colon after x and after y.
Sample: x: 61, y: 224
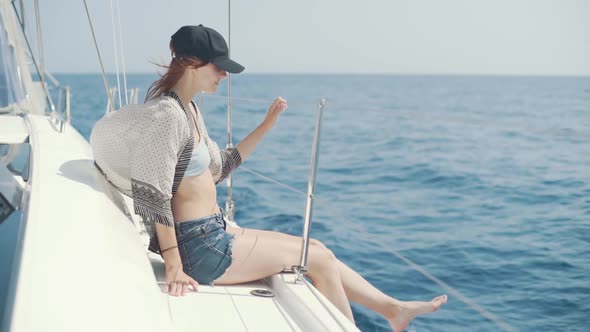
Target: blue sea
x: 482, y: 181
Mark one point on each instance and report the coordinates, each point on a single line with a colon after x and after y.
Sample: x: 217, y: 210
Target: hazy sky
x: 522, y: 37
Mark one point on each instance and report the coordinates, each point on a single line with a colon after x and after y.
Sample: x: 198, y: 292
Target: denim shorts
x: 205, y: 247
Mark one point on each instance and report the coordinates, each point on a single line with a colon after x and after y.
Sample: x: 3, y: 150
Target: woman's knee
x: 322, y: 260
x: 316, y: 242
x: 319, y: 244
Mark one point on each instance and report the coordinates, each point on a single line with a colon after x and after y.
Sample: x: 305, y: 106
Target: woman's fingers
x: 194, y: 284
x: 178, y: 288
x: 279, y: 105
x: 177, y: 283
x: 279, y: 102
x: 274, y: 104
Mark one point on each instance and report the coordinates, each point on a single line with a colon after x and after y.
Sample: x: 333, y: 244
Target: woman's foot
x: 405, y: 312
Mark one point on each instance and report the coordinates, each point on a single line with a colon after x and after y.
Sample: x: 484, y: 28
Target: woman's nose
x: 223, y: 73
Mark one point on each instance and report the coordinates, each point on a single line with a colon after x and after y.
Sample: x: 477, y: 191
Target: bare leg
x: 398, y: 313
x: 359, y: 290
x: 258, y: 255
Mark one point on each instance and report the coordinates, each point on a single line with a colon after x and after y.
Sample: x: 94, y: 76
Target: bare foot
x: 405, y: 312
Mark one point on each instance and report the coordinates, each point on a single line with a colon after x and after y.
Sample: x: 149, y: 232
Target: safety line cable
x: 40, y: 41
x: 286, y: 186
x: 122, y: 52
x: 259, y: 100
x: 104, y: 75
x: 481, y: 310
x: 116, y: 51
x: 429, y: 117
x: 472, y: 304
x: 44, y: 85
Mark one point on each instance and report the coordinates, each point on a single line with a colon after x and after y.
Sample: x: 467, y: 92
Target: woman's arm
x: 152, y: 182
x: 248, y: 144
x: 177, y: 282
x: 168, y: 245
x: 224, y: 161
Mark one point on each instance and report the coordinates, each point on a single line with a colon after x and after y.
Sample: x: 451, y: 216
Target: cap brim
x: 229, y: 66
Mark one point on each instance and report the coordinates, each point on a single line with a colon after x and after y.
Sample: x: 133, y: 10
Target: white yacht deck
x: 81, y: 246
x: 13, y: 129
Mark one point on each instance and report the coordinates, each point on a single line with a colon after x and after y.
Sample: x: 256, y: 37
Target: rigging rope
x: 431, y: 117
x: 43, y: 84
x: 481, y: 310
x: 286, y: 186
x: 116, y: 51
x: 122, y: 52
x: 40, y: 41
x: 104, y: 75
x: 261, y: 101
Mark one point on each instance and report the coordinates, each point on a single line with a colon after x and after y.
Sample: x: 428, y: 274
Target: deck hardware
x: 262, y: 293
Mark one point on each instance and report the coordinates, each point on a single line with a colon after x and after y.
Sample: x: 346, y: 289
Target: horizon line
x: 354, y: 73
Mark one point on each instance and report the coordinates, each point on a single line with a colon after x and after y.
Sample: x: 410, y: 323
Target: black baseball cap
x: 206, y: 44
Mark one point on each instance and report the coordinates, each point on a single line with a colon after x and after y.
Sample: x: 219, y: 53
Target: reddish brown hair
x: 173, y: 73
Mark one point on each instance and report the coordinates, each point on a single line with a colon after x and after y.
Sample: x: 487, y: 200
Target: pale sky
x: 515, y: 37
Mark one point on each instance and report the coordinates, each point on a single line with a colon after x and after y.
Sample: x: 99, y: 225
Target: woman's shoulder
x: 164, y: 106
x: 156, y: 106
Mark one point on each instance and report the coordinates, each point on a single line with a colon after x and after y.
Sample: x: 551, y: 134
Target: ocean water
x: 482, y: 181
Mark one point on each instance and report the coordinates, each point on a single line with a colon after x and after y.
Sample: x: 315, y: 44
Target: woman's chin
x: 211, y: 89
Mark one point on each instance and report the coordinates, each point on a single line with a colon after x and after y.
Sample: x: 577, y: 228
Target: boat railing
x: 310, y: 196
x: 132, y: 98
x: 133, y: 95
x: 61, y: 113
x: 301, y: 269
x: 313, y: 167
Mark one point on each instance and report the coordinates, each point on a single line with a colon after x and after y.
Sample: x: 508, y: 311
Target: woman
x: 160, y: 154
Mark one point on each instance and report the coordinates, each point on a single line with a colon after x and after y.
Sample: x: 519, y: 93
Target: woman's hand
x: 178, y: 282
x: 248, y: 144
x: 274, y: 111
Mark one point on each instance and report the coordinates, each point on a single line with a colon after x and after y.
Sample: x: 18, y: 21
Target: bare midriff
x: 196, y: 198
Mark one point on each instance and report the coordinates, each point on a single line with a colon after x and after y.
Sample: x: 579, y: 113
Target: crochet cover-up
x: 143, y: 150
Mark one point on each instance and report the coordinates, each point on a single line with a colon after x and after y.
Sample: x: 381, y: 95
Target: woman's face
x: 208, y: 77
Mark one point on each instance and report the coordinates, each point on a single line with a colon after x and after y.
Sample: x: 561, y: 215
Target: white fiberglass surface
x: 83, y: 261
x: 12, y: 129
x: 83, y: 267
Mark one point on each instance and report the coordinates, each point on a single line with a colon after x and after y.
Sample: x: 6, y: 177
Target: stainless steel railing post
x: 230, y: 210
x: 68, y: 105
x: 110, y: 104
x: 315, y: 155
x: 67, y: 116
x: 133, y: 96
x: 229, y: 202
